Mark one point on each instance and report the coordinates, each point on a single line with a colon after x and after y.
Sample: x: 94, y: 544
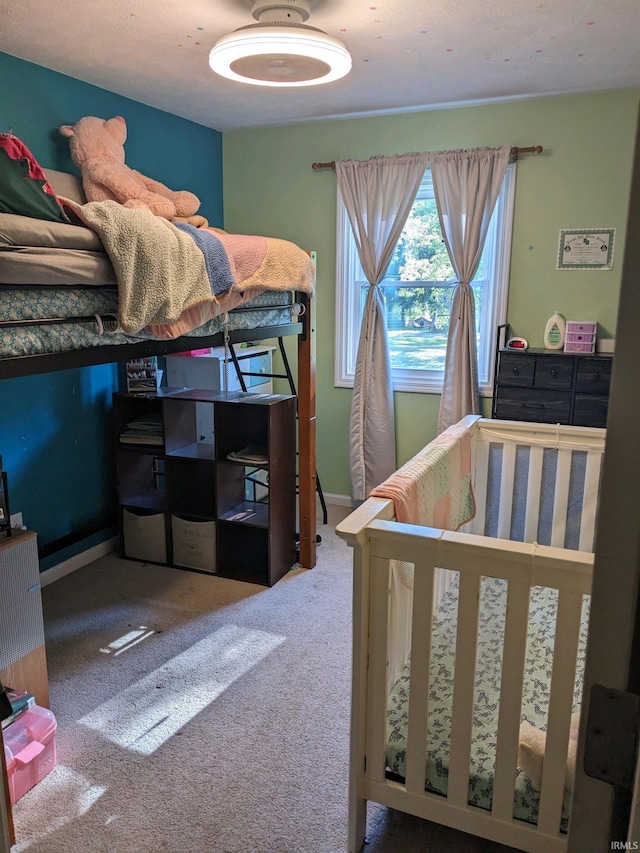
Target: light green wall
x: 581, y: 180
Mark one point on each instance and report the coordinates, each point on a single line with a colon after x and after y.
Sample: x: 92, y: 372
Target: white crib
x: 535, y: 483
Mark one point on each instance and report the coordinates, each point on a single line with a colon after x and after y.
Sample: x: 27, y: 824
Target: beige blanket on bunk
x: 164, y: 285
x: 161, y: 272
x: 257, y: 264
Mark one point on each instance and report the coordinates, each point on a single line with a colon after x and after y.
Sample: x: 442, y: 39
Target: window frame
x: 348, y: 297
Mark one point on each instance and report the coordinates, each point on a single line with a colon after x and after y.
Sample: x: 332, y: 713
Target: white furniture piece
x: 207, y: 370
x: 533, y: 483
x: 23, y: 660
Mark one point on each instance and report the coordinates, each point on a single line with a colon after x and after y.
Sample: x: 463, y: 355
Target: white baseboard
x: 338, y: 500
x: 110, y: 545
x: 80, y: 560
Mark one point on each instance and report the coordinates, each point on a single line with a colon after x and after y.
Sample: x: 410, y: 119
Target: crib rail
x: 473, y: 557
x: 534, y: 483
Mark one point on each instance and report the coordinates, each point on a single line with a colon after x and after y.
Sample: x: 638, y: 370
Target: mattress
x: 86, y: 317
x: 539, y: 659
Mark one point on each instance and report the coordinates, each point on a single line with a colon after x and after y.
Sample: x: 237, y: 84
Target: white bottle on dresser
x: 554, y: 331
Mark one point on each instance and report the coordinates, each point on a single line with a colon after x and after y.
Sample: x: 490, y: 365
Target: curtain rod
x: 533, y: 149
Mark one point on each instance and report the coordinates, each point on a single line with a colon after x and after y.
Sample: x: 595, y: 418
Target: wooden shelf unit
x: 199, y: 506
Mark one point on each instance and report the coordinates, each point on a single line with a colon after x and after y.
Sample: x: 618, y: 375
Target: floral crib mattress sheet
x: 539, y: 659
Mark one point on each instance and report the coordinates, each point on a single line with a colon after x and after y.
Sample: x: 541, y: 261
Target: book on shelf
x: 146, y: 430
x: 138, y: 438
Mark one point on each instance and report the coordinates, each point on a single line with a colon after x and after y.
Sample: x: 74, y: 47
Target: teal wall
x: 34, y: 102
x: 55, y: 434
x: 581, y: 180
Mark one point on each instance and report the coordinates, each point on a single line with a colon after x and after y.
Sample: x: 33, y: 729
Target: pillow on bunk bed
x: 66, y: 185
x: 26, y: 231
x: 22, y: 231
x: 24, y: 188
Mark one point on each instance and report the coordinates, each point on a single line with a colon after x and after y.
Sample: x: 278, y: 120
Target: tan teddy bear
x: 531, y: 752
x: 97, y: 148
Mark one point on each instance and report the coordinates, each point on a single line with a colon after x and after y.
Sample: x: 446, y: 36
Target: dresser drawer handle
x: 554, y: 372
x: 596, y: 376
x: 533, y: 405
x: 515, y: 371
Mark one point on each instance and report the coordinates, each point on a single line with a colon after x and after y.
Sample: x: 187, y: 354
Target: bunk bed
x: 61, y: 307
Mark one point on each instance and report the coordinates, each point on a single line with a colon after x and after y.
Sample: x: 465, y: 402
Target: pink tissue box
x: 29, y: 750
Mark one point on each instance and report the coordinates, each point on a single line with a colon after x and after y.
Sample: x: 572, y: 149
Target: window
x: 418, y: 290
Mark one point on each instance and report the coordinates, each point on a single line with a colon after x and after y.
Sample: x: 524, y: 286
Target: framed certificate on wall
x: 586, y: 249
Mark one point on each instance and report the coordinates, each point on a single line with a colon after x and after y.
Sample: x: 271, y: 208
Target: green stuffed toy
x: 24, y: 189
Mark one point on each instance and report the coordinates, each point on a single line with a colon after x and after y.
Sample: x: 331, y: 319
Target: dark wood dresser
x: 550, y: 386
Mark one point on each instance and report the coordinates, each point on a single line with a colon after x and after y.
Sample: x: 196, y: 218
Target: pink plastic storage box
x: 580, y: 342
x: 192, y: 352
x: 580, y: 336
x: 29, y: 750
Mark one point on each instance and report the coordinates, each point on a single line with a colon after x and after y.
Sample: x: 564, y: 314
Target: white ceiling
x: 407, y: 54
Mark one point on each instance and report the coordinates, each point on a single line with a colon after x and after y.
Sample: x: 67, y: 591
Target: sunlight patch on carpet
x: 69, y: 795
x: 127, y: 641
x: 142, y: 717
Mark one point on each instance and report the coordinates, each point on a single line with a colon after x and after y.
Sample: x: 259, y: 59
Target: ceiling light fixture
x: 280, y: 50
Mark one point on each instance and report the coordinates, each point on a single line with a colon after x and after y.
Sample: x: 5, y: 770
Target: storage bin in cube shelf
x: 143, y: 535
x: 194, y: 544
x: 29, y: 750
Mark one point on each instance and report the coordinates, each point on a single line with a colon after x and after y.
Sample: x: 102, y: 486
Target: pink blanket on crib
x: 434, y: 488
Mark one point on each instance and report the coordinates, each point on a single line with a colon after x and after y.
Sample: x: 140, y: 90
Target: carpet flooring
x: 198, y: 714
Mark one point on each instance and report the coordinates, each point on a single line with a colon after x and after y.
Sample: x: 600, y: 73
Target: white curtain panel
x: 466, y: 186
x: 378, y: 194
